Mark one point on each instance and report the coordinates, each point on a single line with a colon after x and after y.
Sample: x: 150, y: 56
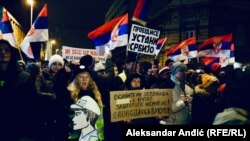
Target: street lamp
x: 31, y: 3
x: 52, y: 42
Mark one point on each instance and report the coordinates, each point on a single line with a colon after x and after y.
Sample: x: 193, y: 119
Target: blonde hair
x: 74, y: 89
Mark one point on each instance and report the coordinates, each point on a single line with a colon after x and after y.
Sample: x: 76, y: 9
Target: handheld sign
x: 136, y: 104
x: 143, y: 40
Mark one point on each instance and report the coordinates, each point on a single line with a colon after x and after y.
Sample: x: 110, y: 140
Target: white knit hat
x: 55, y: 58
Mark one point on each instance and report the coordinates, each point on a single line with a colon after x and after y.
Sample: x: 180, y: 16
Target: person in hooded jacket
x: 134, y: 82
x: 182, y: 97
x: 15, y: 97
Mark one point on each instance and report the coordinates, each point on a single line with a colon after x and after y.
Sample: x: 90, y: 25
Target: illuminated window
x: 188, y: 34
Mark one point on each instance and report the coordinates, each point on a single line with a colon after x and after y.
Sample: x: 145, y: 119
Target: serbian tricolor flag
x: 216, y: 47
x: 37, y: 33
x: 160, y: 43
x: 141, y: 11
x: 6, y: 29
x: 213, y: 63
x: 185, y: 50
x: 110, y: 35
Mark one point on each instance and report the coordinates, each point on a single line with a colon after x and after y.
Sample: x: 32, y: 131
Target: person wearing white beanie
x: 55, y: 59
x: 47, y: 97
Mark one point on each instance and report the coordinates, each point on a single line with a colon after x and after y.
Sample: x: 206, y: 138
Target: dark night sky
x: 69, y: 21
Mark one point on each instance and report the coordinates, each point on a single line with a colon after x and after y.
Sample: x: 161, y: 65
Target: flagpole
x: 156, y: 56
x: 127, y: 53
x: 19, y: 51
x: 136, y: 62
x: 198, y: 59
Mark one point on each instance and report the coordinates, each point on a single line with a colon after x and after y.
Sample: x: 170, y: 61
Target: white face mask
x: 80, y: 120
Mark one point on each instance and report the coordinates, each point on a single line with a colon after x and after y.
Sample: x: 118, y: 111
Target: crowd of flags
x: 37, y: 34
x: 114, y: 33
x: 216, y: 51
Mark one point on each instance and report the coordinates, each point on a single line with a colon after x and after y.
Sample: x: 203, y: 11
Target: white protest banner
x: 143, y: 40
x: 72, y: 53
x: 136, y: 104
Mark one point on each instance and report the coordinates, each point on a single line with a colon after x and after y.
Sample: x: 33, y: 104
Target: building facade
x: 118, y: 8
x: 182, y: 19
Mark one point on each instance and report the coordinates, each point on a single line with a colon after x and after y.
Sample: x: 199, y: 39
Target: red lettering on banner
x: 85, y: 52
x: 94, y: 53
x: 67, y: 51
x: 75, y: 51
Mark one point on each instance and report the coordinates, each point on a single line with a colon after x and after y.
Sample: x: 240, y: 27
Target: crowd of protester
x: 36, y: 98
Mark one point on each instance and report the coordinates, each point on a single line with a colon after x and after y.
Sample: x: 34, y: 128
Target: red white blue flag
x: 37, y: 33
x: 6, y: 29
x: 214, y: 62
x: 185, y: 50
x: 110, y: 35
x: 160, y: 43
x: 218, y: 46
